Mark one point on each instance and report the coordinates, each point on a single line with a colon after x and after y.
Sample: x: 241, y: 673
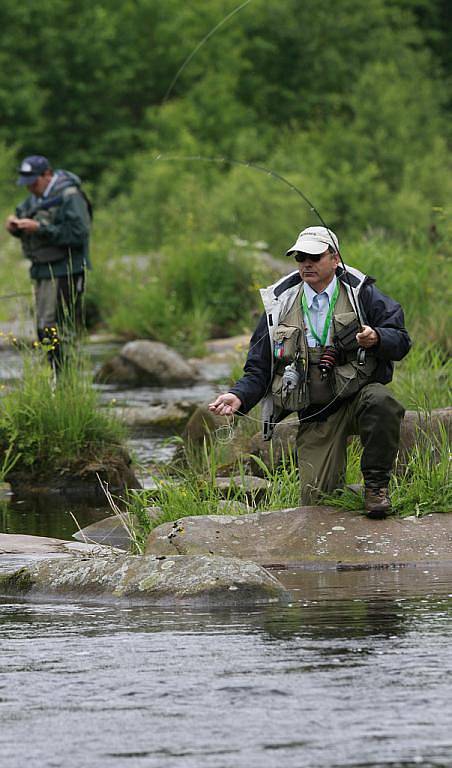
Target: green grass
x: 423, y: 380
x: 422, y: 486
x: 425, y: 484
x: 47, y: 426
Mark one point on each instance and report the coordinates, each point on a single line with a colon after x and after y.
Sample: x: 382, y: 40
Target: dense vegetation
x: 49, y: 428
x: 348, y: 101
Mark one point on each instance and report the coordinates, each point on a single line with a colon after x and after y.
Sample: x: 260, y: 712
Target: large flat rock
x: 22, y: 544
x: 203, y: 580
x: 312, y: 536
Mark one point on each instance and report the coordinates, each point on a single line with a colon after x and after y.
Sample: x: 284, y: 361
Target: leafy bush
x: 188, y: 293
x: 46, y: 426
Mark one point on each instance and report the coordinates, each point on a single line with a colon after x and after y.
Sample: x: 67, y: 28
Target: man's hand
x: 225, y: 405
x: 11, y: 223
x: 367, y: 337
x: 28, y: 225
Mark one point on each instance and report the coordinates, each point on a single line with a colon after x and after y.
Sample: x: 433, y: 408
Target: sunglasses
x: 301, y: 257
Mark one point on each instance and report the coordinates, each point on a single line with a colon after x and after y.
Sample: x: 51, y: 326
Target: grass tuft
x: 48, y: 425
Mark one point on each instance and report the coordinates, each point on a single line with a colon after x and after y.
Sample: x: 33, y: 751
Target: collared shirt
x: 318, y: 305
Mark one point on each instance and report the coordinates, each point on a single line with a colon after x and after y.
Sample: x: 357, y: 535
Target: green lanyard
x: 328, y: 318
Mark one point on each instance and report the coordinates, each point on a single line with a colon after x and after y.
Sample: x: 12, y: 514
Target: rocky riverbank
x: 221, y: 560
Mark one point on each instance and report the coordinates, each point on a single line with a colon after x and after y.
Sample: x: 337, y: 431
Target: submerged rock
x: 148, y: 363
x: 203, y: 580
x: 323, y: 536
x: 164, y: 415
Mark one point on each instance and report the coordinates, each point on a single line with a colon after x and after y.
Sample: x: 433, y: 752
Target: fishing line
x: 225, y: 433
x: 200, y: 44
x: 13, y: 295
x: 288, y: 421
x: 278, y: 177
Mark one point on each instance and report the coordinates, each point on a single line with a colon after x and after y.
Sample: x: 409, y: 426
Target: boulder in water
x: 205, y: 580
x: 148, y: 363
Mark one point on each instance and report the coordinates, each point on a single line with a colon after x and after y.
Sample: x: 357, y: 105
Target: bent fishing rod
x: 283, y: 180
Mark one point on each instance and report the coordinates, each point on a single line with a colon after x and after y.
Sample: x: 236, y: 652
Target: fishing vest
x: 290, y: 348
x: 32, y: 244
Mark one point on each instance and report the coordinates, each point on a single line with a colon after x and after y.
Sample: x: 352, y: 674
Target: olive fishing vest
x: 32, y: 244
x: 290, y: 348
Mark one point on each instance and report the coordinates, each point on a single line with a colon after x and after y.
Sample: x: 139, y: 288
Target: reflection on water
x: 347, y: 676
x: 38, y: 516
x: 356, y: 672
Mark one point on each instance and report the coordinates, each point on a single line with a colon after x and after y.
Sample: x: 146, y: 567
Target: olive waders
x: 373, y: 414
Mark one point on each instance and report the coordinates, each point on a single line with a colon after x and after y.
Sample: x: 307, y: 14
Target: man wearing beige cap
x: 324, y: 348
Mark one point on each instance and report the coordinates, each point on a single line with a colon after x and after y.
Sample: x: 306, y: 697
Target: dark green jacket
x: 61, y: 245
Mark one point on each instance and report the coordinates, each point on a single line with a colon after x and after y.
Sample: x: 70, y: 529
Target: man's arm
x: 253, y: 385
x: 385, y: 317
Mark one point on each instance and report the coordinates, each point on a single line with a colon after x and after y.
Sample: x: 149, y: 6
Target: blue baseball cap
x: 31, y: 168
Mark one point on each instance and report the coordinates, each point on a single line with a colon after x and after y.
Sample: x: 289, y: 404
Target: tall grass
x: 192, y: 290
x: 424, y: 485
x: 421, y: 486
x: 423, y: 379
x: 47, y: 426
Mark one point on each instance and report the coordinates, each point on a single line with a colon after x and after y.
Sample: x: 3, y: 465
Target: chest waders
x: 291, y: 350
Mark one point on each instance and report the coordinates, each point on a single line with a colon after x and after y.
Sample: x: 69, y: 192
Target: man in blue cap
x: 53, y: 224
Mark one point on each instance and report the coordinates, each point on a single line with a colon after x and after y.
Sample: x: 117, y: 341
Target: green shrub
x: 191, y: 291
x: 47, y: 426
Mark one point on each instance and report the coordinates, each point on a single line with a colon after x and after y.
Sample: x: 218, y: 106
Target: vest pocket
x: 321, y: 387
x: 286, y: 343
x: 349, y: 378
x: 345, y: 326
x: 290, y: 399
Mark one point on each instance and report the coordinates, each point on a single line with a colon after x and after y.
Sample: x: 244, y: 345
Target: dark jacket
x: 380, y: 312
x: 60, y: 246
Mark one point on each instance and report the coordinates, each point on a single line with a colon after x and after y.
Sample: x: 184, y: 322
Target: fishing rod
x: 198, y: 46
x: 282, y: 179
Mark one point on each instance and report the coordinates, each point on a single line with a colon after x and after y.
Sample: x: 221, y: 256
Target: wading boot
x: 377, y: 502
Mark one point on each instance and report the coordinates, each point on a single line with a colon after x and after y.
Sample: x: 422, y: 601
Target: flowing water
x: 357, y: 671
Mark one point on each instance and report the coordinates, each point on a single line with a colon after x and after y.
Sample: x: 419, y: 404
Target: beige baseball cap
x: 314, y: 240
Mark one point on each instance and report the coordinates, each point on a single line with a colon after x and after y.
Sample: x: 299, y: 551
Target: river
x: 355, y: 672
